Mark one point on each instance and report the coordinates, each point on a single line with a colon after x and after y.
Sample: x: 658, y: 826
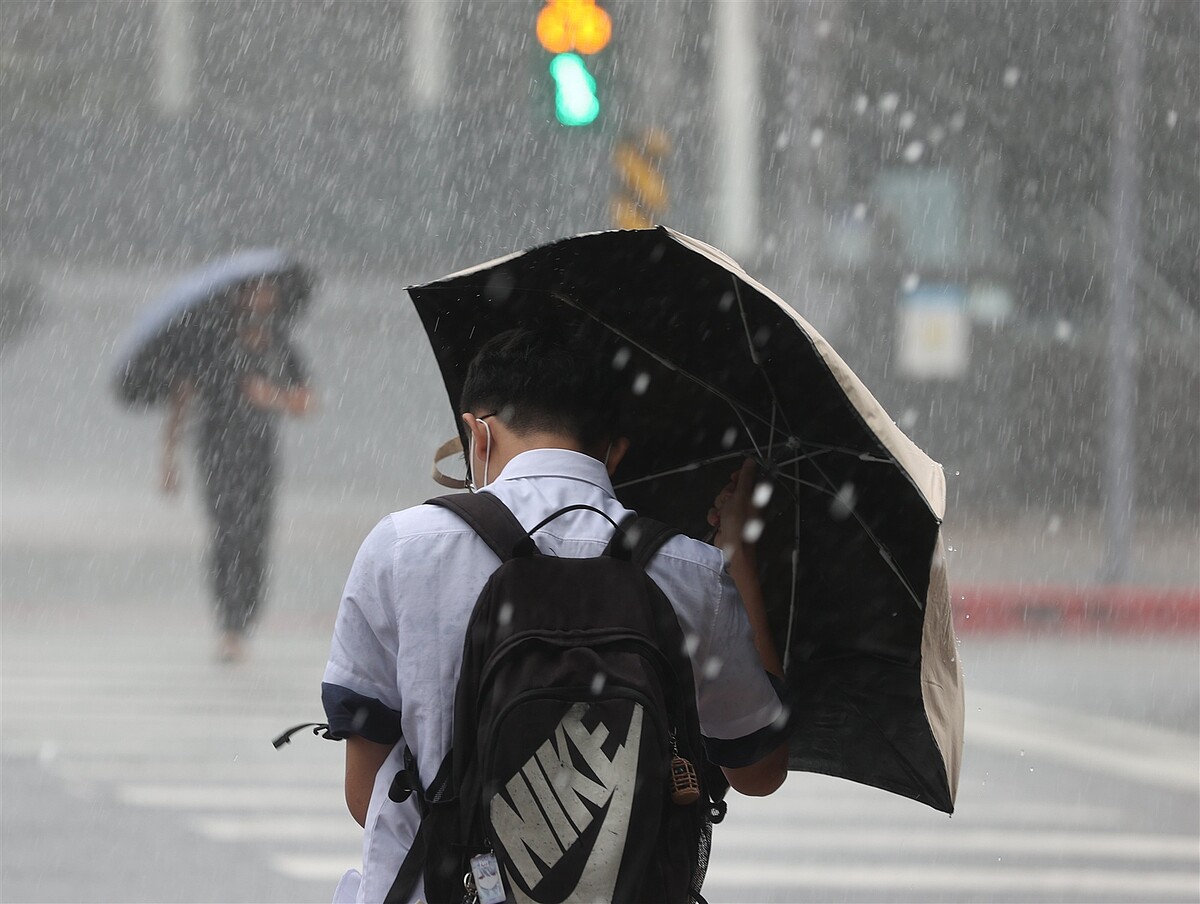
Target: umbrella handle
x: 445, y: 450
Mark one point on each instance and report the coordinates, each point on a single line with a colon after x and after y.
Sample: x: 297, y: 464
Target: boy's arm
x: 363, y: 761
x: 733, y: 509
x: 178, y: 402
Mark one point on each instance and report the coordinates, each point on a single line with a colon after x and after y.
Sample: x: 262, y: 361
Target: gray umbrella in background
x: 175, y: 332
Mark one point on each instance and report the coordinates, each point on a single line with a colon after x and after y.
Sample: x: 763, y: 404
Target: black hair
x: 546, y: 380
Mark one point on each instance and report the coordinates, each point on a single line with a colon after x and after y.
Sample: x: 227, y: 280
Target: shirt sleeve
x: 359, y: 688
x: 743, y: 715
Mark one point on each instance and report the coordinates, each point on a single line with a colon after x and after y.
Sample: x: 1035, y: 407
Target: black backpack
x: 576, y: 771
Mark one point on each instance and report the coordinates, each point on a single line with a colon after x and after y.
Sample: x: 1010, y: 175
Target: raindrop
x: 500, y: 285
x: 752, y: 530
x: 691, y: 643
x: 1054, y: 525
x: 713, y: 667
x: 817, y: 138
x: 729, y: 438
x: 914, y: 151
x: 598, y: 682
x: 824, y: 28
x: 726, y: 302
x: 889, y: 102
x: 656, y: 253
x: 1022, y: 753
x: 621, y: 358
x: 762, y: 493
x: 1063, y: 331
x: 908, y: 419
x: 504, y: 616
x: 958, y: 121
x: 47, y: 753
x: 641, y: 383
x: 908, y: 119
x: 761, y: 336
x: 911, y: 281
x: 843, y: 504
x: 1172, y: 119
x: 937, y: 135
x: 860, y: 104
x: 860, y: 211
x: 782, y: 141
x: 1012, y: 75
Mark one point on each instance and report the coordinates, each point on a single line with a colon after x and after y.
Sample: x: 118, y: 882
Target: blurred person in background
x: 250, y: 376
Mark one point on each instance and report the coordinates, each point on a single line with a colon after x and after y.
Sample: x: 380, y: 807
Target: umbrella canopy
x: 719, y: 368
x: 171, y: 335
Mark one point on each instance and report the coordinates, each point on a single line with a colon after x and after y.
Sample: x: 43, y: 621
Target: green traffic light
x: 575, y: 101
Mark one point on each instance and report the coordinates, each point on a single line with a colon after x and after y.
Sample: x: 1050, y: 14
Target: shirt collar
x: 557, y: 463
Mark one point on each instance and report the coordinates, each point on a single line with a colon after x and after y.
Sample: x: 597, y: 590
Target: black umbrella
x: 718, y: 369
x: 174, y: 333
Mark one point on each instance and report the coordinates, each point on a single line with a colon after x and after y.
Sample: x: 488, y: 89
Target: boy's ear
x: 619, y: 447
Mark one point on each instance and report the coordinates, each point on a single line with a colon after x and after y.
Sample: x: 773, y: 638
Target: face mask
x: 487, y: 458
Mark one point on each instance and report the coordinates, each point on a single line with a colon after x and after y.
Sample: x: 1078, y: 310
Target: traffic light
x: 575, y: 101
x: 570, y: 29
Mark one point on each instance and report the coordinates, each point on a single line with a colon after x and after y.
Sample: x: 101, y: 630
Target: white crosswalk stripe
x: 155, y: 724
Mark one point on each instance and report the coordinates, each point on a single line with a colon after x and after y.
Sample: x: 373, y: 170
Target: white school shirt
x: 402, y: 620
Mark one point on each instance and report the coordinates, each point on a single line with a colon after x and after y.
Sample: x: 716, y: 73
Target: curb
x: 1073, y: 609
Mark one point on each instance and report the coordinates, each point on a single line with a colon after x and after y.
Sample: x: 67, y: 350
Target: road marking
x: 1143, y: 754
x: 235, y: 797
x: 281, y: 827
x: 739, y: 881
x: 314, y: 869
x: 1109, y: 845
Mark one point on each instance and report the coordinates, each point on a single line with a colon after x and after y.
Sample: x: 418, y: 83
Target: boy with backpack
x: 530, y: 680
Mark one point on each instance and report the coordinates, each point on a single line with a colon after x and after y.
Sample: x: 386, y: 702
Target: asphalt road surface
x: 137, y: 768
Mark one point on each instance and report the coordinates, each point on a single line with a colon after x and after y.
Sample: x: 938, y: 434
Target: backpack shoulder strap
x: 639, y: 539
x: 492, y: 521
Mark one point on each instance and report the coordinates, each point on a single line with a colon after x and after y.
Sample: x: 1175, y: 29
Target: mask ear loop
x: 487, y: 456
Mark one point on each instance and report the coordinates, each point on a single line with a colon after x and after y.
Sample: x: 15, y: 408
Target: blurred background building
x: 937, y: 186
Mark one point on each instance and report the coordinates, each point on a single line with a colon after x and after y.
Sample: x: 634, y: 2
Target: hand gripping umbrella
x: 172, y: 335
x: 719, y: 368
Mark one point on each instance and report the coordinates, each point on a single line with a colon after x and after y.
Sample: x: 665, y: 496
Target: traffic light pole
x: 736, y: 133
x: 1125, y: 209
x: 174, y: 57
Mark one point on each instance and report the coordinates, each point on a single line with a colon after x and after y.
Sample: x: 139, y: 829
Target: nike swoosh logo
x: 549, y: 822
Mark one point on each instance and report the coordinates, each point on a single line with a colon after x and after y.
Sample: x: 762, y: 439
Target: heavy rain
x: 989, y: 211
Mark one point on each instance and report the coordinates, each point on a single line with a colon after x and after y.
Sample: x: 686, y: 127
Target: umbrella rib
x: 737, y: 407
x: 682, y: 469
x: 884, y: 553
x: 787, y: 647
x: 775, y: 407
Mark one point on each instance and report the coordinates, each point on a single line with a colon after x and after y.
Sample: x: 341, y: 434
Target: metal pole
x: 175, y: 60
x: 427, y: 52
x: 1125, y: 241
x: 736, y: 140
